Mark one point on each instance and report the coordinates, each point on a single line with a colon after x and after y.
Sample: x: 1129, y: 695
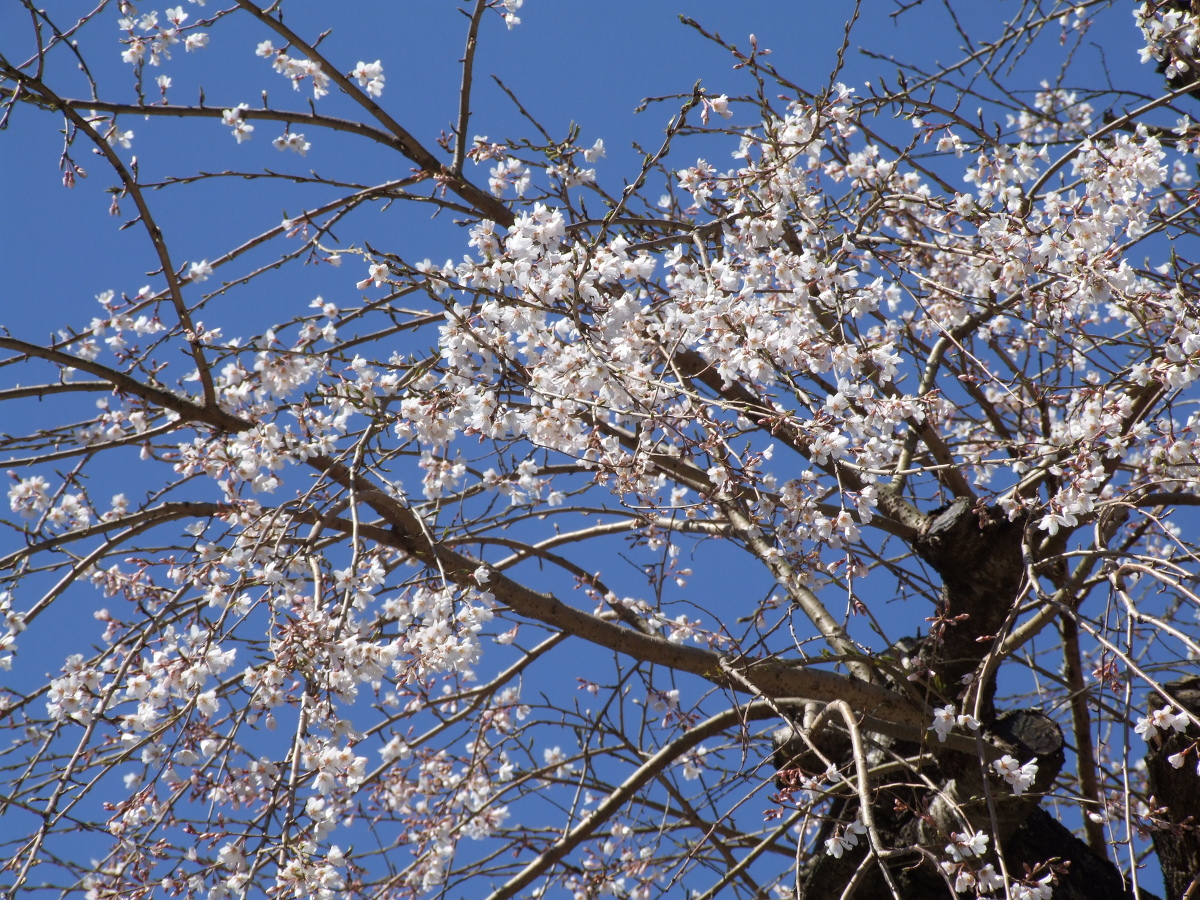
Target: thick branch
x: 884, y: 712
x: 130, y: 186
x: 480, y: 199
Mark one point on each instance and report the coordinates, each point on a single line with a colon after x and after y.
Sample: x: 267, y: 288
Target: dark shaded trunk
x: 977, y: 552
x: 1175, y: 799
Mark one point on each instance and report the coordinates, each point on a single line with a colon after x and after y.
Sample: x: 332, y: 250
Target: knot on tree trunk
x: 971, y: 796
x: 977, y: 552
x: 906, y: 814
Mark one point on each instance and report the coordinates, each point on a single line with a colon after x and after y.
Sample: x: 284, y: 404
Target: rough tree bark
x: 978, y: 553
x: 1176, y: 834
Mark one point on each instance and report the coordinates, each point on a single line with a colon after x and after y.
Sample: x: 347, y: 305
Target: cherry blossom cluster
x: 864, y: 419
x: 13, y: 624
x: 617, y: 866
x: 509, y: 11
x: 845, y: 839
x: 369, y: 76
x: 1164, y: 719
x: 442, y: 800
x: 945, y: 720
x: 148, y: 40
x: 297, y: 70
x: 1056, y: 115
x: 1170, y: 36
x: 760, y: 373
x: 1021, y: 777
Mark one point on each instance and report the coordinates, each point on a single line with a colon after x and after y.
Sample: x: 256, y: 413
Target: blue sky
x: 568, y: 62
x: 586, y: 63
x: 590, y: 64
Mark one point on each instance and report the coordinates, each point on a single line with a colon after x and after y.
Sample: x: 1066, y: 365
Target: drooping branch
x: 130, y: 186
x: 884, y: 711
x: 755, y: 710
x: 487, y: 205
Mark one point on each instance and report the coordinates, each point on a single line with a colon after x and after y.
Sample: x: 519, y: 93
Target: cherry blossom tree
x: 816, y: 522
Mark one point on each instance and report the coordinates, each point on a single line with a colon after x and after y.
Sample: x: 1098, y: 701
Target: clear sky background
x: 591, y: 64
x: 569, y: 61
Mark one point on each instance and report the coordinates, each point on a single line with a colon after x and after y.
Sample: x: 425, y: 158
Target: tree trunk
x: 977, y: 552
x: 1176, y: 823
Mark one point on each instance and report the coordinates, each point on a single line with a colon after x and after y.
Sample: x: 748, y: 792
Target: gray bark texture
x: 978, y: 554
